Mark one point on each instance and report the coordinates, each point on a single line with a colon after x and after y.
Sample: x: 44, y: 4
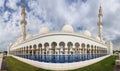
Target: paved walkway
x: 1, y: 58
x: 117, y: 67
x: 4, y: 66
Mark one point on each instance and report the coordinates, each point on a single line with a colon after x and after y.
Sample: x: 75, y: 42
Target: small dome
x: 28, y: 36
x: 16, y: 43
x: 103, y: 41
x: 19, y: 40
x: 44, y: 30
x: 98, y: 38
x: 10, y: 44
x: 68, y: 28
x: 87, y: 33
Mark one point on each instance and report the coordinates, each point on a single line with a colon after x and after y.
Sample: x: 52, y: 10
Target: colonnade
x: 59, y: 49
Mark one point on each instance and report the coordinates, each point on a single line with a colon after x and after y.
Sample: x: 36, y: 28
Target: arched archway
x: 62, y: 48
x: 83, y: 51
x: 98, y: 51
x: 27, y: 52
x: 88, y: 51
x: 95, y: 51
x: 34, y: 49
x: 70, y: 45
x: 39, y: 48
x: 24, y: 52
x: 30, y: 49
x: 92, y: 51
x: 46, y: 47
x: 53, y: 45
x: 77, y: 51
x: 83, y: 47
x: 88, y: 48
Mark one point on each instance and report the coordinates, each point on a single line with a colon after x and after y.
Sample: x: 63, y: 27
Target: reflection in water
x: 61, y: 58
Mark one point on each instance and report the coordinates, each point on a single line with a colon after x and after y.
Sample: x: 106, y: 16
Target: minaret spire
x: 23, y: 22
x: 100, y: 25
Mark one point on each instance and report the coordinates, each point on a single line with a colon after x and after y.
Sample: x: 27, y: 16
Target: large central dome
x: 67, y: 28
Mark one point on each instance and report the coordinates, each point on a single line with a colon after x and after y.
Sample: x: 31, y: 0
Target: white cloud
x: 1, y: 3
x: 6, y: 15
x: 55, y: 14
x: 12, y: 4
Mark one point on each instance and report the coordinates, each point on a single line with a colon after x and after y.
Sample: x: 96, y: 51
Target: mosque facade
x: 65, y: 46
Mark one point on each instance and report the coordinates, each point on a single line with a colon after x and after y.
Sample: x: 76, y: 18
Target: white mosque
x: 62, y: 50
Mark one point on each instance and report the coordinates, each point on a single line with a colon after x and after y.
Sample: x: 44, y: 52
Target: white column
x: 66, y: 51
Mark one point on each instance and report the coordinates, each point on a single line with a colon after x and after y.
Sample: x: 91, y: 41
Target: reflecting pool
x: 61, y: 58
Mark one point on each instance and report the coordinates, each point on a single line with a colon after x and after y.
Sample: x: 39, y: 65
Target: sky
x: 81, y: 14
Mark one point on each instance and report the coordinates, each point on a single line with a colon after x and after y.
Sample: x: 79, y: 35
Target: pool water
x: 61, y: 58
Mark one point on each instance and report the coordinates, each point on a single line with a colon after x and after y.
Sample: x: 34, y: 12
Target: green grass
x: 16, y: 65
x: 104, y: 65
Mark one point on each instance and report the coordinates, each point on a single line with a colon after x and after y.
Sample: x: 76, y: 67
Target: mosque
x: 60, y: 48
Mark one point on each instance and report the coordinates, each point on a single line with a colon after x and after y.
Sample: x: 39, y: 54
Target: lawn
x: 16, y: 65
x: 104, y: 65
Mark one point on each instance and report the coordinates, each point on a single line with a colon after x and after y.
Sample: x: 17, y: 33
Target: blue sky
x: 81, y: 14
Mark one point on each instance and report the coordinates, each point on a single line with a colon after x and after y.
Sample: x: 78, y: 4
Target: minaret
x: 23, y: 22
x: 100, y: 25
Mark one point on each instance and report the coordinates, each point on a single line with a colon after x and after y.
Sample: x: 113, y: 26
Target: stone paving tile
x: 1, y: 57
x: 117, y: 68
x: 4, y: 66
